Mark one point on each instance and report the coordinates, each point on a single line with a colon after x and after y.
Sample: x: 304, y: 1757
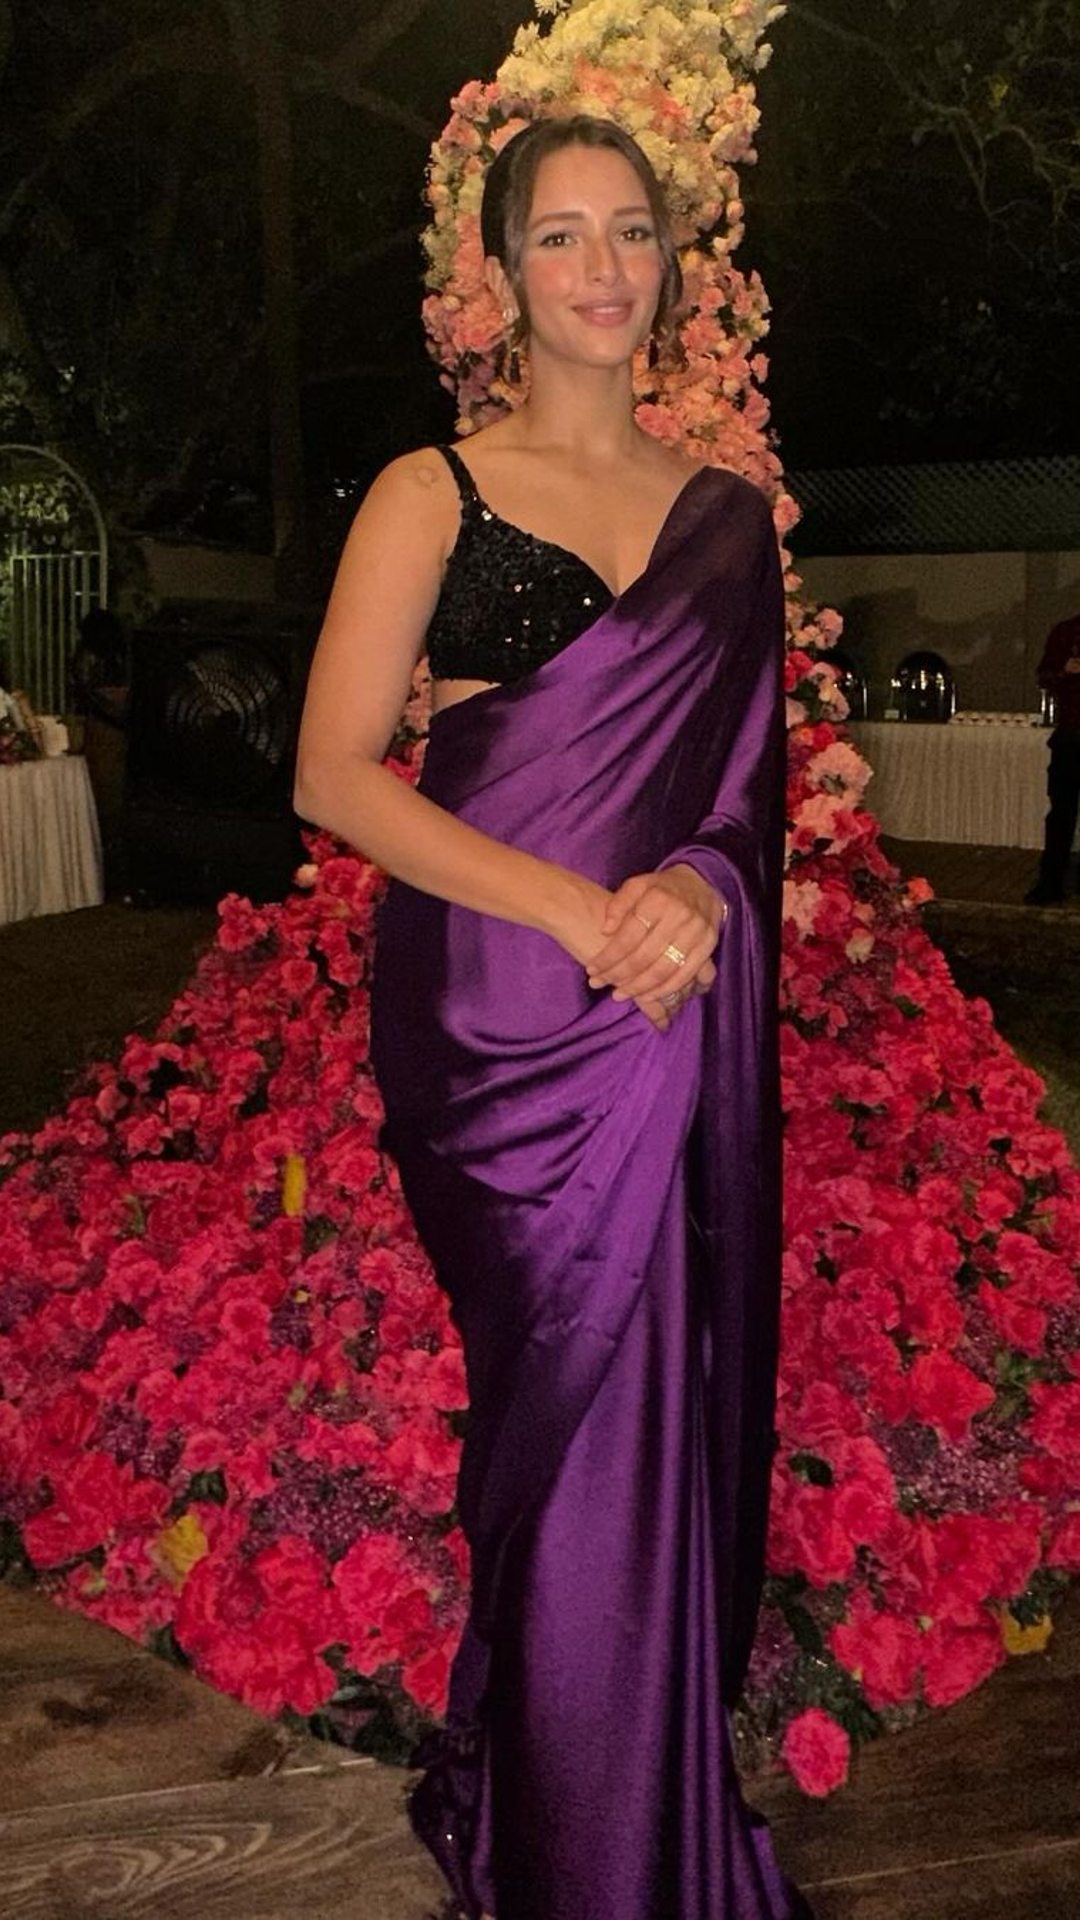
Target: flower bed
x: 232, y: 1396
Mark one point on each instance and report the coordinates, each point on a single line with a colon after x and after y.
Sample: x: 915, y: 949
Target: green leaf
x: 805, y: 1629
x: 812, y: 1468
x: 208, y: 1485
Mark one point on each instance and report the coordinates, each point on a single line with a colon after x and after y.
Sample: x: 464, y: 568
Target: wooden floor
x: 127, y: 1788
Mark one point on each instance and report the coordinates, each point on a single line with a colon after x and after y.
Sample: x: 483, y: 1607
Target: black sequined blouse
x: 509, y: 600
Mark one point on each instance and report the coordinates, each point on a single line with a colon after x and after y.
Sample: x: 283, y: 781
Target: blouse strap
x: 465, y: 483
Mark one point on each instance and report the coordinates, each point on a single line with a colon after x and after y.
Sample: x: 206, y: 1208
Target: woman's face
x: 591, y: 263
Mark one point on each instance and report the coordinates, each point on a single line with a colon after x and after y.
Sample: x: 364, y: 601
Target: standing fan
x: 225, y: 726
x: 216, y: 695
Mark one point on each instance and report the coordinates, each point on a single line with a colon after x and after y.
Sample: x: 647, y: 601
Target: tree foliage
x: 916, y: 216
x: 134, y: 264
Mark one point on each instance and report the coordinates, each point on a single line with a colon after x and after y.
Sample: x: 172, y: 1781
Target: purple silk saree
x: 601, y: 1202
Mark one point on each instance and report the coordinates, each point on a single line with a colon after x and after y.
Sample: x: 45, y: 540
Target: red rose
x: 368, y: 1576
x: 931, y: 1314
x: 1043, y: 1476
x: 863, y: 1511
x: 423, y: 1460
x: 147, y: 1135
x: 427, y: 1678
x: 221, y: 1596
x: 956, y: 1660
x: 86, y: 1508
x: 1064, y: 1548
x: 1055, y: 1424
x: 407, y: 1624
x: 816, y: 1749
x: 298, y: 977
x: 882, y: 1650
x: 821, y: 1413
x: 946, y: 1394
x: 1020, y: 1325
x: 809, y: 1536
x: 68, y: 1424
x: 247, y: 1324
x: 294, y: 1575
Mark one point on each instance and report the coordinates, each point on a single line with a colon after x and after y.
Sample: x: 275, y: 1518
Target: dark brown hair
x: 508, y: 195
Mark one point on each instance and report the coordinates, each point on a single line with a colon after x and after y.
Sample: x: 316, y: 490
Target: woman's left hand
x: 652, y: 920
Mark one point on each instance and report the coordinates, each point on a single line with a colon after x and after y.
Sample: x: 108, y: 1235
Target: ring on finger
x: 675, y: 955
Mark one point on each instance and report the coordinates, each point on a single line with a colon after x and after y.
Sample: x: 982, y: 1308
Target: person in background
x: 99, y: 690
x: 1059, y: 675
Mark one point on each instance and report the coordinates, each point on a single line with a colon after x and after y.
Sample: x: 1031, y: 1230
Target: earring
x: 514, y: 369
x: 653, y: 354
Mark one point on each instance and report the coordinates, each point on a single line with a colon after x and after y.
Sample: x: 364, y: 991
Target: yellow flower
x: 293, y: 1185
x: 471, y: 194
x: 180, y: 1547
x: 1020, y: 1639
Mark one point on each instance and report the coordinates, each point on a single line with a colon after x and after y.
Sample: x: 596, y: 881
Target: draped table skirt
x: 50, y: 844
x: 979, y: 785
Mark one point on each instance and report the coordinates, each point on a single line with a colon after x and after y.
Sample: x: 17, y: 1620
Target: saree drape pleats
x: 601, y: 1203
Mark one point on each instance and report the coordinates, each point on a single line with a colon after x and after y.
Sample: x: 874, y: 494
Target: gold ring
x: 645, y: 923
x: 674, y: 954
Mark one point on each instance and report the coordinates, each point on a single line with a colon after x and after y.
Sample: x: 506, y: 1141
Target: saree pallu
x: 601, y: 1203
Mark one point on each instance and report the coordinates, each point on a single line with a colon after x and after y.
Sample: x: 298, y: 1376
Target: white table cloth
x: 982, y: 785
x: 50, y: 844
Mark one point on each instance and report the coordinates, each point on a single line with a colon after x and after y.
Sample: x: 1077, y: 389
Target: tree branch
x: 314, y: 76
x: 362, y: 48
x: 363, y: 257
x: 191, y: 48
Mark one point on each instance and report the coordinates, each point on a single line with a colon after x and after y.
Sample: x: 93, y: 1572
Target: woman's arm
x: 383, y: 598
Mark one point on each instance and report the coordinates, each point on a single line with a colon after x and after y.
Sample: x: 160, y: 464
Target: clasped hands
x: 647, y: 923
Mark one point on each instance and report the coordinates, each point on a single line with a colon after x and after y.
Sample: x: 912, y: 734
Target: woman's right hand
x: 581, y: 934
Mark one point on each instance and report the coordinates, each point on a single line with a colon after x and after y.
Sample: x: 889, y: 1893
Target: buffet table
x: 981, y: 784
x: 50, y: 846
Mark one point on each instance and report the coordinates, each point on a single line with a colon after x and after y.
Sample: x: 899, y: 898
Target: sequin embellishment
x: 480, y: 629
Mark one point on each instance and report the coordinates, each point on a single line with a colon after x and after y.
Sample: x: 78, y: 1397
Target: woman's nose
x: 600, y: 262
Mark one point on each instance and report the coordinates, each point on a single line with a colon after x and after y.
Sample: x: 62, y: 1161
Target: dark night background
x: 210, y: 262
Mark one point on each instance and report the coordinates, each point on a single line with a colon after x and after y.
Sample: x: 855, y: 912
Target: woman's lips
x: 611, y: 315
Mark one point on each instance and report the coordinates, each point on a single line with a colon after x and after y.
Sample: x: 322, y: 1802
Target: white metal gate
x: 48, y: 589
x: 50, y: 593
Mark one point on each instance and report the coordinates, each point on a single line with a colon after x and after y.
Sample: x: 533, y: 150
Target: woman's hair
x: 508, y: 196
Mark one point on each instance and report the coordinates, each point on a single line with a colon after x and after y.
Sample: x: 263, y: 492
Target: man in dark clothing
x: 1059, y: 674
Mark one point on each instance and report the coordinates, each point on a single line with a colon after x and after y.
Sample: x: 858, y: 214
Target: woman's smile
x: 606, y: 313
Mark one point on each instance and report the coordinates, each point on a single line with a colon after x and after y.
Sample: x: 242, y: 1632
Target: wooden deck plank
x: 1035, y: 1884
x: 85, y: 1713
x: 332, y: 1847
x: 36, y: 1635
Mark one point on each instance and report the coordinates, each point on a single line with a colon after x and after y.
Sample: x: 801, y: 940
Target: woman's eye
x: 554, y: 236
x: 642, y: 233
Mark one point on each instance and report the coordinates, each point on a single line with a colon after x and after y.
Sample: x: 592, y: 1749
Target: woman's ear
x: 498, y: 284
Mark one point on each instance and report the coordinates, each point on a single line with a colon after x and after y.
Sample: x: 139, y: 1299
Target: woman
x: 574, y: 1032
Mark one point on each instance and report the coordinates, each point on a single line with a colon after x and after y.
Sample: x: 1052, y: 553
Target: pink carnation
x: 947, y: 1394
x: 816, y: 1749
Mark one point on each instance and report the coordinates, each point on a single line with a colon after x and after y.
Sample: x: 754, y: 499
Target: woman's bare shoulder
x: 412, y: 500
x: 422, y: 471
